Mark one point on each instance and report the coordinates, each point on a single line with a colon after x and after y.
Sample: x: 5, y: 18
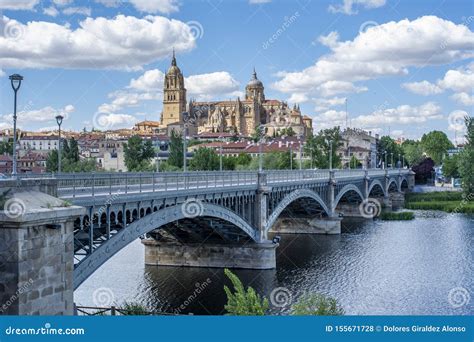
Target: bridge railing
x: 77, y: 184
x: 278, y: 176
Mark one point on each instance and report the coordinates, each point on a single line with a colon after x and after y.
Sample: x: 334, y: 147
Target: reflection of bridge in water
x: 199, y: 218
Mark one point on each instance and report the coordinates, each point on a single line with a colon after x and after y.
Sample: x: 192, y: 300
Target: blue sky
x: 405, y: 67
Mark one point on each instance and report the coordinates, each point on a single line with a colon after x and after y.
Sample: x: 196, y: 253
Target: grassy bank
x: 397, y: 216
x: 445, y: 201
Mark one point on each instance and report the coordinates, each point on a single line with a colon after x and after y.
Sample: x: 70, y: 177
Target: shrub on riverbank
x: 462, y: 207
x: 434, y: 196
x: 242, y: 302
x: 448, y: 201
x: 317, y: 305
x: 397, y: 216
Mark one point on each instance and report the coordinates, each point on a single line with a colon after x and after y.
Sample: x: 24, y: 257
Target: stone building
x: 239, y: 116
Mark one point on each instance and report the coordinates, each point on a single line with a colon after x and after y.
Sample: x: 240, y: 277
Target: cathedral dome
x: 173, y: 70
x: 254, y: 81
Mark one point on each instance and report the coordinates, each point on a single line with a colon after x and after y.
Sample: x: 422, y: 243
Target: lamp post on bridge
x: 330, y: 155
x: 261, y: 130
x: 185, y: 167
x: 301, y: 154
x: 385, y: 159
x: 59, y: 121
x: 391, y: 160
x: 15, y: 80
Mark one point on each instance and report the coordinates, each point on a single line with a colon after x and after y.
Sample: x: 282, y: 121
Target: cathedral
x: 240, y: 116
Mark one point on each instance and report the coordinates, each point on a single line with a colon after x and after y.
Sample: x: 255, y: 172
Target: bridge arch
x: 376, y: 183
x: 392, y: 185
x: 345, y: 190
x: 403, y: 184
x: 288, y: 199
x: 148, y: 223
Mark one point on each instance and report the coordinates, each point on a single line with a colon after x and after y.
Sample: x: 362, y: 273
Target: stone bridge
x: 66, y: 226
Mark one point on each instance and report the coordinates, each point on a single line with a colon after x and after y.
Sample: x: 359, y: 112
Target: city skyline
x: 407, y: 72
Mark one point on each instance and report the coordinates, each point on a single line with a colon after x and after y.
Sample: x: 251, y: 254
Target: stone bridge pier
x: 36, y: 249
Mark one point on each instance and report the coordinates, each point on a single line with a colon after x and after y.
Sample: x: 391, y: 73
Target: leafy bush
x: 317, y: 304
x: 243, y: 302
x: 397, y: 216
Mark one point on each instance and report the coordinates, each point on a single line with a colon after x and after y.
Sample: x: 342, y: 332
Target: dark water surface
x: 372, y: 268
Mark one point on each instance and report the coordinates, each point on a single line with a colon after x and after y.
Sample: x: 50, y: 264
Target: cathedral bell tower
x: 174, y: 95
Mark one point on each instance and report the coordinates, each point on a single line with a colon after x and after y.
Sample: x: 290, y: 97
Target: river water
x: 419, y: 267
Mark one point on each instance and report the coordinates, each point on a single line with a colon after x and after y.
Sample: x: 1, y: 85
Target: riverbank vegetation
x: 448, y: 201
x: 397, y: 216
x: 247, y: 302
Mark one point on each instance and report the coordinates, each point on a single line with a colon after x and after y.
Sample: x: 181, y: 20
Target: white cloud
x: 298, y: 98
x: 332, y: 88
x: 51, y: 11
x: 460, y: 81
x: 62, y: 2
x: 383, y: 50
x: 18, y: 4
x: 44, y: 114
x: 464, y: 99
x: 155, y: 6
x: 77, y: 10
x: 123, y: 42
x: 256, y: 2
x: 401, y: 115
x: 456, y: 120
x: 422, y: 88
x: 150, y: 80
x: 2, y: 73
x: 325, y: 104
x: 147, y: 6
x: 113, y: 121
x: 212, y: 85
x: 347, y: 7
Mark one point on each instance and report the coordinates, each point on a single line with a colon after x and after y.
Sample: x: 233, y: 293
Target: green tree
x: 6, y: 147
x: 278, y: 160
x: 412, y: 151
x: 205, y: 159
x: 317, y: 305
x: 466, y: 160
x: 176, y: 150
x: 450, y: 166
x: 318, y: 148
x: 138, y: 154
x: 388, y: 147
x: 72, y: 153
x: 241, y: 302
x: 436, y: 144
x: 52, y: 161
x: 243, y: 159
x: 355, y: 163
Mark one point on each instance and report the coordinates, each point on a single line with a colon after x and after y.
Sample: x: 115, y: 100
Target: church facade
x: 239, y: 116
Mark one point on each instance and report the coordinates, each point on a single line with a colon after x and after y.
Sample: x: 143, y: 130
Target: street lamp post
x: 301, y: 155
x: 391, y: 160
x: 291, y: 155
x: 15, y: 80
x: 220, y: 156
x: 385, y: 159
x: 399, y: 160
x: 59, y: 120
x: 330, y: 155
x: 184, y: 148
x: 260, y: 148
x: 403, y: 161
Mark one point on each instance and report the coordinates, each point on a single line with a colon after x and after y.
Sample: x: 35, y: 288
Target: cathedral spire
x: 173, y: 61
x: 254, y: 74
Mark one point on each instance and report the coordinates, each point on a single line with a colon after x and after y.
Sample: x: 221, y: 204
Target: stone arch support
x: 344, y: 190
x: 147, y: 224
x: 288, y: 199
